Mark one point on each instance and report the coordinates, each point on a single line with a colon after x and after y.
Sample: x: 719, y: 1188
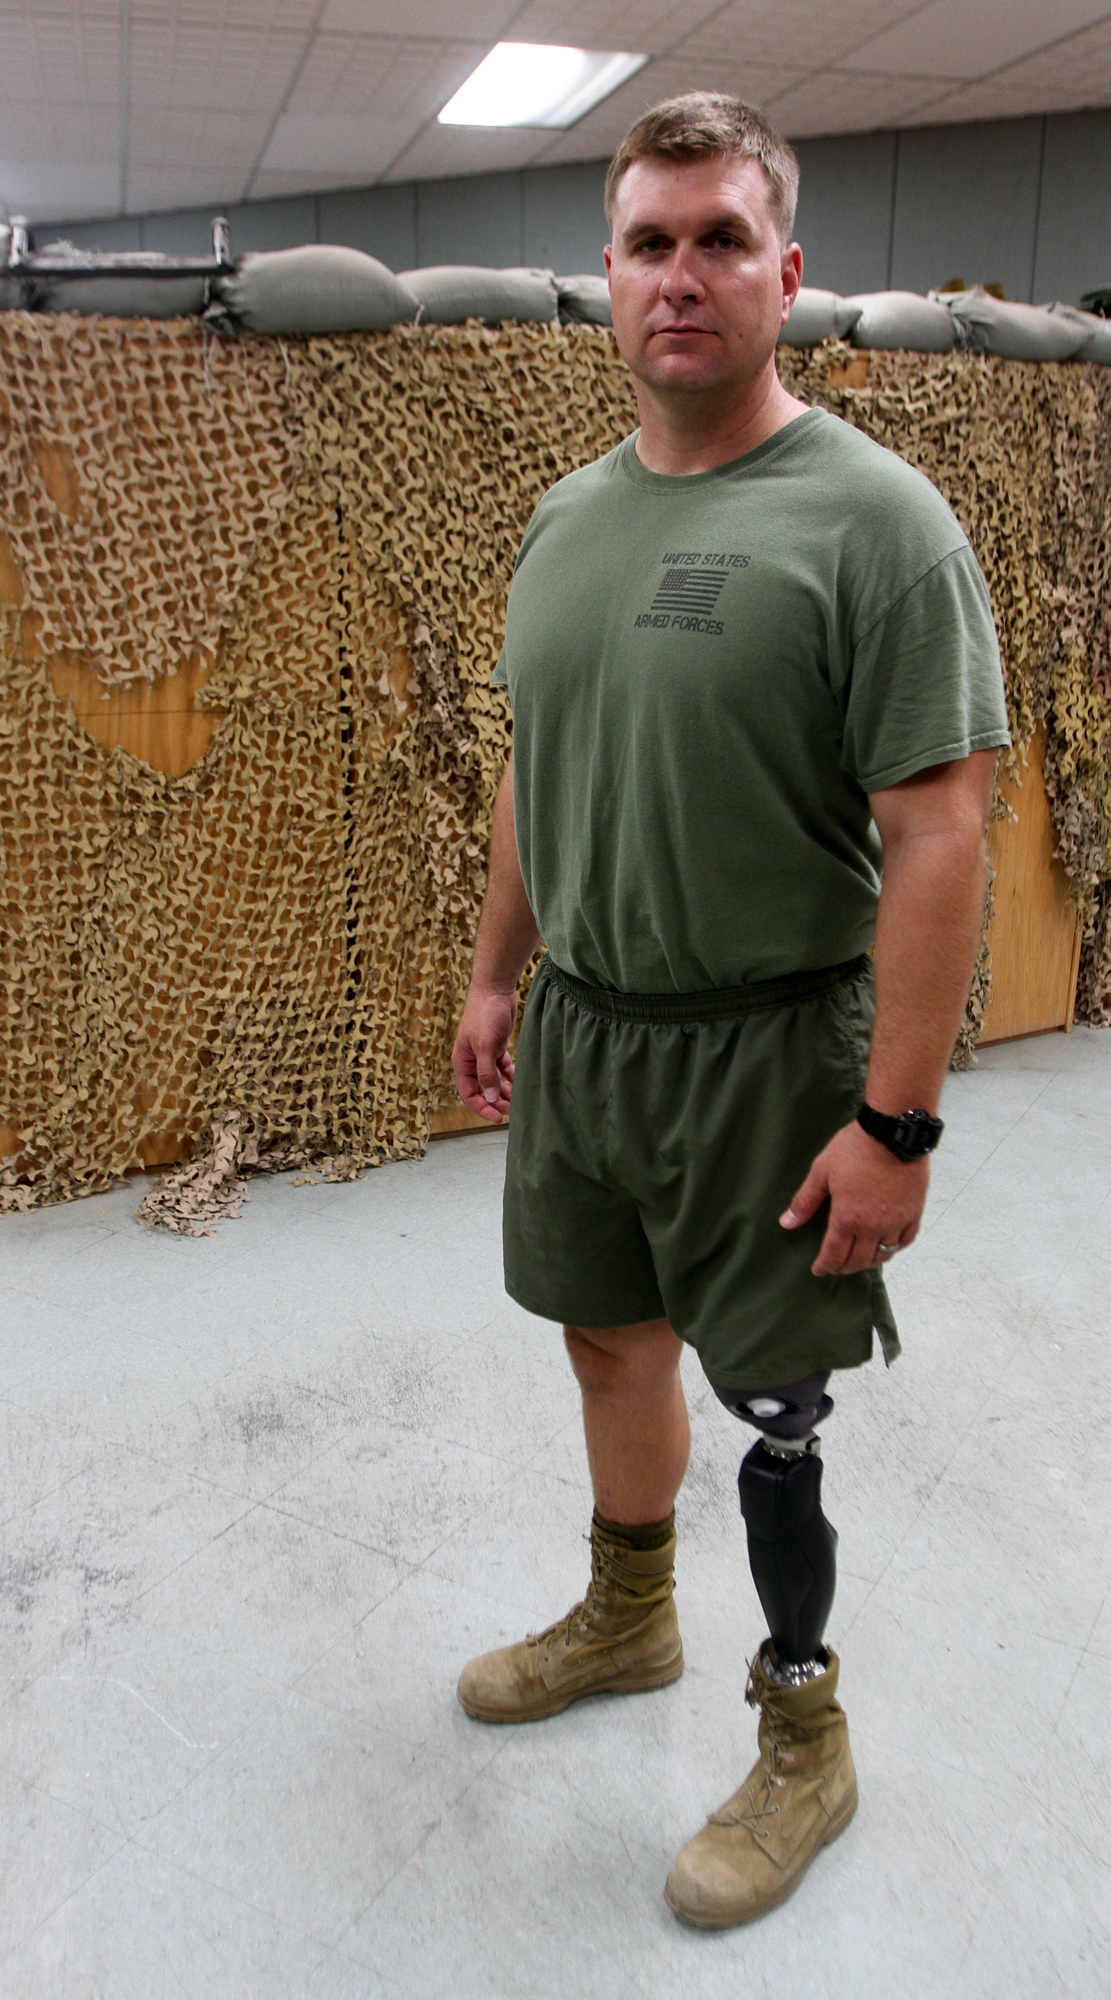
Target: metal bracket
x: 26, y: 263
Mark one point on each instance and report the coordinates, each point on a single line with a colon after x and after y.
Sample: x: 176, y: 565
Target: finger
x: 475, y: 1101
x: 807, y: 1201
x: 489, y: 1075
x: 470, y: 1090
x: 891, y: 1241
x: 466, y: 1076
x: 493, y: 1114
x: 863, y: 1258
x: 838, y: 1247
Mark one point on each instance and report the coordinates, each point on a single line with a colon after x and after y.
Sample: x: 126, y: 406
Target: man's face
x: 699, y: 281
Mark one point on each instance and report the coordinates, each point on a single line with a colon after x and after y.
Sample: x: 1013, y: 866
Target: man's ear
x: 608, y: 256
x: 791, y: 268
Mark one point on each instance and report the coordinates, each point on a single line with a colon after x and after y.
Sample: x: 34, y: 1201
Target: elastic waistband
x: 709, y: 1005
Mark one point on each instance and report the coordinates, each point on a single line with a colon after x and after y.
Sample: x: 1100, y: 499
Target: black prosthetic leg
x: 791, y: 1546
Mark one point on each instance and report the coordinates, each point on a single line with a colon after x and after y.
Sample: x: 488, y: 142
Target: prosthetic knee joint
x: 791, y: 1545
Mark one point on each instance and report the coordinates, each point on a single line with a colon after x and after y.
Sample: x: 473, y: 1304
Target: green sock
x: 652, y: 1536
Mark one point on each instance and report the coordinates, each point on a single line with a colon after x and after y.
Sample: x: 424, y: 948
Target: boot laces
x: 754, y: 1813
x: 771, y: 1777
x: 579, y: 1615
x: 582, y: 1615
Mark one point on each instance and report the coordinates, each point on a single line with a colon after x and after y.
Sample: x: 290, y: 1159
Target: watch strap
x: 909, y: 1136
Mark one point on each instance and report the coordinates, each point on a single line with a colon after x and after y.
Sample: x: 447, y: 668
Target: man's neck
x: 683, y: 434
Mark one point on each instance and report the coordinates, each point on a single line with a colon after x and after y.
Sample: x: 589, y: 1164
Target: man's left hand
x: 875, y: 1202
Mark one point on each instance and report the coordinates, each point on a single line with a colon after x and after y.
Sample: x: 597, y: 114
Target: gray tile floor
x: 264, y: 1493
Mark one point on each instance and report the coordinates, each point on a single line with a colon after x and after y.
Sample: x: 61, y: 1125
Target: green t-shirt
x: 708, y: 675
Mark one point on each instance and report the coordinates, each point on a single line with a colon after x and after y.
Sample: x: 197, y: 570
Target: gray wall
x: 1026, y: 201
x: 1023, y: 200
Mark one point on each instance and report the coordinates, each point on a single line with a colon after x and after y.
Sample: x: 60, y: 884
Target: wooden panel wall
x: 158, y: 723
x: 1034, y: 935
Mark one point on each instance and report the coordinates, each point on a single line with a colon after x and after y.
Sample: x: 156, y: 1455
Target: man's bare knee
x: 626, y: 1362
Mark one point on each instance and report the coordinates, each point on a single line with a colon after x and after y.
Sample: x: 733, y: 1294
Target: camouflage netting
x: 269, y: 953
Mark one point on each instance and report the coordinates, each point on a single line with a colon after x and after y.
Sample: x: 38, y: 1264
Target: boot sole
x: 625, y: 1684
x: 724, y: 1923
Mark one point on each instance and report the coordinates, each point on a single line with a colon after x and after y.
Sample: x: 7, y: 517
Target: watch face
x: 909, y: 1137
x: 916, y: 1134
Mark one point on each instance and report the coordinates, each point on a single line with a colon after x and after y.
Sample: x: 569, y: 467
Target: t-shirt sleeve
x: 926, y: 685
x: 500, y: 676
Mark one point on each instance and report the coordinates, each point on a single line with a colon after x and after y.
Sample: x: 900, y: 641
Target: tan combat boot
x: 622, y: 1639
x: 799, y: 1796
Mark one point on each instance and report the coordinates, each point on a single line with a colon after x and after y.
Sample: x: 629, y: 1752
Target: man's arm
x: 928, y: 927
x: 507, y: 937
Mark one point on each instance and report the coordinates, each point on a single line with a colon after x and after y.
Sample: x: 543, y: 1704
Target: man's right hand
x: 483, y: 1067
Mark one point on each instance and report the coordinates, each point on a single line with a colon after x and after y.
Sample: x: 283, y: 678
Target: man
x: 750, y: 657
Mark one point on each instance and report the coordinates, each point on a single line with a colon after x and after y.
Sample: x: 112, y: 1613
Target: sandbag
x: 1001, y: 326
x: 902, y: 319
x: 451, y: 293
x: 817, y: 316
x: 1097, y: 332
x: 585, y: 299
x: 316, y: 288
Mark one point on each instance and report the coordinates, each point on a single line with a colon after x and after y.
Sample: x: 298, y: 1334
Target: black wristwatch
x: 909, y: 1137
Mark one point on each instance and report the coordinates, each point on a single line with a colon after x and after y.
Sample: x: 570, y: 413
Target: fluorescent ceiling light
x: 527, y: 83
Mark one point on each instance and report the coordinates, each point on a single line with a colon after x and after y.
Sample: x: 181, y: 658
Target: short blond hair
x: 704, y: 125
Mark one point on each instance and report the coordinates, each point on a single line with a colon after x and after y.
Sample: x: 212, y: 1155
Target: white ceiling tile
x: 24, y: 130
x: 435, y: 20
x: 835, y: 102
x: 259, y: 16
x: 603, y: 129
x: 736, y: 75
x: 348, y: 76
x: 63, y: 10
x: 794, y: 33
x: 295, y: 16
x: 1073, y: 72
x: 449, y: 150
x: 63, y: 133
x: 964, y: 104
x: 1073, y: 76
x: 963, y: 39
x: 59, y: 59
x: 52, y: 191
x: 321, y: 148
x: 154, y: 189
x: 196, y: 64
x: 179, y: 138
x: 643, y: 27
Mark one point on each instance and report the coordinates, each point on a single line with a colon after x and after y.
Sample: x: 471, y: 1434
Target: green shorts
x: 655, y: 1141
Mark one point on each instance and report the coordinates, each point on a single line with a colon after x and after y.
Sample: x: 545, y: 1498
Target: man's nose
x: 680, y: 280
